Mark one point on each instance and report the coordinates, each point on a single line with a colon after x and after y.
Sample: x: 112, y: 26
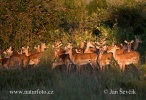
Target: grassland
x: 87, y: 85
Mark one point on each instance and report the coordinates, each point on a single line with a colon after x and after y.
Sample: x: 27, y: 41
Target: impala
x: 136, y: 42
x: 104, y: 59
x: 65, y: 60
x: 126, y: 58
x: 35, y: 57
x: 129, y: 45
x: 82, y: 59
x: 15, y: 60
x: 8, y: 52
x: 38, y: 48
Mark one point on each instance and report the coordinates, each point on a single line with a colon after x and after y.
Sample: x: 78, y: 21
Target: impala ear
x: 125, y: 41
x: 105, y: 48
x: 97, y: 47
x: 10, y: 47
x: 132, y: 41
x: 53, y: 46
x: 27, y: 47
x: 4, y: 52
x: 22, y: 47
x: 97, y: 43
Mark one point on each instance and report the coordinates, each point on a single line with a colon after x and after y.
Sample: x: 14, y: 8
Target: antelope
x: 38, y: 48
x: 58, y: 51
x: 82, y: 59
x: 129, y: 45
x: 120, y: 46
x: 101, y: 42
x: 15, y: 60
x: 136, y: 43
x: 35, y: 58
x: 43, y: 47
x: 65, y: 61
x: 126, y: 58
x: 8, y: 52
x: 104, y: 59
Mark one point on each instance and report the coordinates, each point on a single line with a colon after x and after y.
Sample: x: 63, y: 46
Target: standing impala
x: 82, y: 59
x: 129, y: 45
x: 126, y: 58
x: 35, y: 57
x: 65, y: 60
x: 8, y: 52
x: 104, y: 59
x: 15, y: 61
x: 136, y: 42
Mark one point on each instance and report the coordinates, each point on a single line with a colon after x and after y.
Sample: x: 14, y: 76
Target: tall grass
x: 85, y: 85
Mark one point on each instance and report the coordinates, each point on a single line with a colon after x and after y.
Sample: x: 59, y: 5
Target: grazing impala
x: 126, y: 58
x: 82, y: 59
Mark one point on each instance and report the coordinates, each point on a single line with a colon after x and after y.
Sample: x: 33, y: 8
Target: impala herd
x: 98, y: 54
x: 22, y: 58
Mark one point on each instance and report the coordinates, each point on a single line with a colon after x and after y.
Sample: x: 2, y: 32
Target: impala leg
x: 123, y: 68
x: 78, y: 67
x: 101, y: 67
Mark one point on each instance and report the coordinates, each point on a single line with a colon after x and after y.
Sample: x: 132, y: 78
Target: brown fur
x: 81, y: 59
x: 126, y: 58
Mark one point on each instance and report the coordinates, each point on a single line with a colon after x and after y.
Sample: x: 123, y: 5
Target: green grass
x: 72, y: 86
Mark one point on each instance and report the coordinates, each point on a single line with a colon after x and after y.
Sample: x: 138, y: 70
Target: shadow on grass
x: 86, y: 85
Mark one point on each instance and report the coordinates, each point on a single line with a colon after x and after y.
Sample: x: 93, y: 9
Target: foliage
x: 30, y: 22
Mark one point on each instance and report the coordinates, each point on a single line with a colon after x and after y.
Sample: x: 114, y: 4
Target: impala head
x: 138, y: 39
x: 43, y: 47
x: 102, y: 49
x: 101, y: 42
x: 25, y: 50
x: 120, y: 46
x: 8, y: 52
x: 129, y: 44
x: 57, y: 44
x: 68, y: 48
x: 90, y: 44
x: 113, y: 49
x: 38, y: 49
